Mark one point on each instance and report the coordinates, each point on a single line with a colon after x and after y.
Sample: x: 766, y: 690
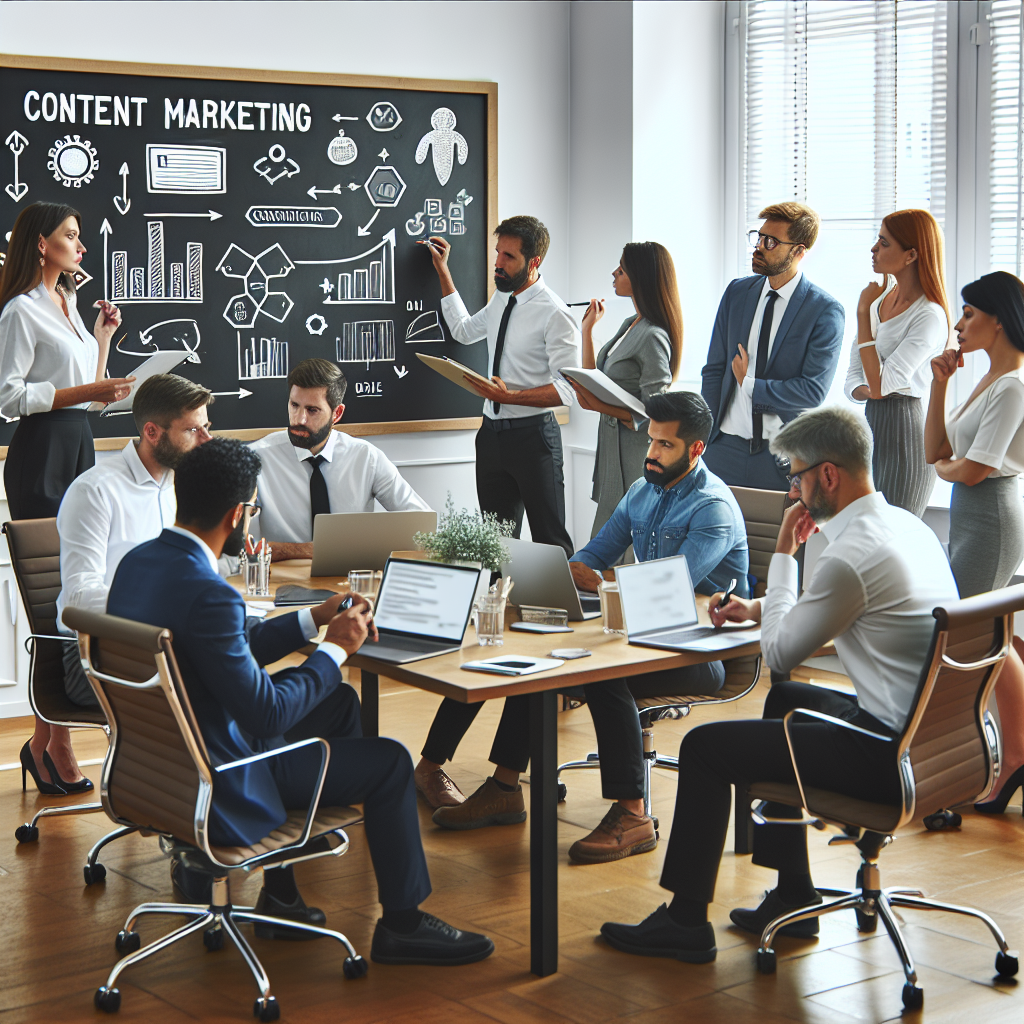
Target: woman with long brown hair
x: 642, y: 358
x: 901, y: 326
x: 51, y: 369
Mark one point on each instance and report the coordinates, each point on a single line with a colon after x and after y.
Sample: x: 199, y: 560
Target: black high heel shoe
x: 82, y: 786
x: 28, y: 765
x: 998, y: 805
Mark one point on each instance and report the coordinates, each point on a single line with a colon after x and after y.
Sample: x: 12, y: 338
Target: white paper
x: 601, y: 386
x: 160, y: 362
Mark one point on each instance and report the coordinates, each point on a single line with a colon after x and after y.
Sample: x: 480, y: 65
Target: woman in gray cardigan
x: 642, y: 358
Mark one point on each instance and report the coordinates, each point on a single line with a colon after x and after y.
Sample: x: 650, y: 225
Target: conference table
x: 611, y: 658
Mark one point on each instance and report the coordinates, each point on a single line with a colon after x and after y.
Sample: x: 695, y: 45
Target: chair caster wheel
x: 1007, y: 964
x: 866, y: 922
x: 942, y: 820
x: 766, y: 961
x: 268, y: 1011
x: 127, y: 942
x: 355, y: 967
x: 107, y: 999
x: 213, y: 939
x: 913, y: 997
x: 561, y: 792
x: 26, y: 833
x: 94, y: 873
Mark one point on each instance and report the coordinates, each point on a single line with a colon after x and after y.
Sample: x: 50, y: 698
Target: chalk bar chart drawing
x: 157, y: 282
x: 367, y: 279
x: 257, y: 272
x: 426, y: 327
x: 261, y: 357
x: 367, y: 341
x: 186, y: 170
x: 165, y: 336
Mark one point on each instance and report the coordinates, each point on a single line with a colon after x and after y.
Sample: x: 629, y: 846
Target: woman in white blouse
x: 901, y: 326
x: 51, y: 369
x: 979, y: 448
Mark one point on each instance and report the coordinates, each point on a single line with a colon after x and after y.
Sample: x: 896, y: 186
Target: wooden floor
x: 58, y: 936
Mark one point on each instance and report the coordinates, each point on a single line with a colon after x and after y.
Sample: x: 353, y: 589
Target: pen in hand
x: 727, y: 596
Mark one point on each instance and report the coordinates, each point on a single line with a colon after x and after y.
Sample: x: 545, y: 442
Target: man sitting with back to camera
x: 172, y: 581
x: 679, y: 508
x: 312, y: 469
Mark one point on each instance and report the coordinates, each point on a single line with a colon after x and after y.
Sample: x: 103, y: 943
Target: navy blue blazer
x: 241, y: 710
x: 803, y: 358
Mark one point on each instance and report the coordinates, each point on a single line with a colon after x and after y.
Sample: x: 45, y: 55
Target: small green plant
x: 468, y: 536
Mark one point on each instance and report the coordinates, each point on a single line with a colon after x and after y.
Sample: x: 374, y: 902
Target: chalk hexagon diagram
x: 384, y: 186
x: 257, y: 272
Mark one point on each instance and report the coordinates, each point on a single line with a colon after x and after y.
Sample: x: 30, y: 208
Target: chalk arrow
x: 314, y: 191
x: 341, y: 117
x: 106, y: 231
x: 16, y: 143
x: 401, y: 372
x: 122, y: 202
x: 365, y: 229
x: 240, y: 393
x: 209, y: 215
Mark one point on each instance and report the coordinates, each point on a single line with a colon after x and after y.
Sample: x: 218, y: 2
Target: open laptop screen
x: 426, y: 599
x: 656, y: 595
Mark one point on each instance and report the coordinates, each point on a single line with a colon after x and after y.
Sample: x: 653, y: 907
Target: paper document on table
x: 601, y: 386
x: 160, y: 362
x: 455, y: 371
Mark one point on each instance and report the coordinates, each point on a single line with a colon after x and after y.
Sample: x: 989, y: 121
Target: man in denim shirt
x: 680, y: 507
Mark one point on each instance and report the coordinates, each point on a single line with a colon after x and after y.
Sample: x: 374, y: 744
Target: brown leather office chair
x: 35, y: 558
x: 945, y: 756
x: 157, y: 777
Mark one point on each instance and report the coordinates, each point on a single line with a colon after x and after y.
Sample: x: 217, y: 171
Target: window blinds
x: 1006, y: 201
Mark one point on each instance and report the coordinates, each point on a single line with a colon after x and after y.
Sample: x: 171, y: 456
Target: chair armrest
x: 72, y: 638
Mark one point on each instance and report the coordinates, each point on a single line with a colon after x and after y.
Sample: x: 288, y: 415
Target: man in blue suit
x: 172, y: 581
x: 774, y: 350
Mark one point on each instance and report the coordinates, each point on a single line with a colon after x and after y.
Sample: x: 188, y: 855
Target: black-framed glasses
x: 768, y: 242
x: 252, y: 509
x: 794, y: 478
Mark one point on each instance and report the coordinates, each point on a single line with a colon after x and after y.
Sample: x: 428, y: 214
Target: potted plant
x: 467, y: 536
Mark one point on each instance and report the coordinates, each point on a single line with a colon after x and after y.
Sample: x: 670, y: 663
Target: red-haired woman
x: 901, y: 326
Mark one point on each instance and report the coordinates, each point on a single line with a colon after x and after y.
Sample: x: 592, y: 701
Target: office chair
x: 35, y: 558
x: 157, y: 778
x: 945, y: 756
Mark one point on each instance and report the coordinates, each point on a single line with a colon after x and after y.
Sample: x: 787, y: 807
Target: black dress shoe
x: 772, y: 906
x: 295, y: 911
x: 433, y: 943
x: 191, y: 884
x: 659, y: 935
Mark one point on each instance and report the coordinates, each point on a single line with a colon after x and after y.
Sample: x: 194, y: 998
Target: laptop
x: 542, y: 576
x: 422, y: 609
x: 659, y: 609
x: 364, y: 540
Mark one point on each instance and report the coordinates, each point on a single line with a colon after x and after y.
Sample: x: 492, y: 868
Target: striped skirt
x: 899, y: 467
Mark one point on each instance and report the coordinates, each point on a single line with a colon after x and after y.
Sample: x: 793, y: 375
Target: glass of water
x: 490, y: 620
x: 364, y: 582
x: 255, y: 570
x: 611, y: 608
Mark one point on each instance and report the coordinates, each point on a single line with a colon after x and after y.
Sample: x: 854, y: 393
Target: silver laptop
x: 422, y: 609
x: 659, y: 609
x: 363, y: 540
x: 542, y: 576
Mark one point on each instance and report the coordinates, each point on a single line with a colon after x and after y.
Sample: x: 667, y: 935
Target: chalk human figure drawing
x: 444, y: 139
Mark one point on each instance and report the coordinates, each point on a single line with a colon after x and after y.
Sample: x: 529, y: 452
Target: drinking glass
x: 255, y: 570
x: 364, y: 582
x: 490, y: 620
x: 611, y: 608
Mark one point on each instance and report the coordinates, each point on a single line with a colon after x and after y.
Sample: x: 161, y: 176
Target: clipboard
x: 602, y: 387
x: 454, y: 371
x: 159, y: 362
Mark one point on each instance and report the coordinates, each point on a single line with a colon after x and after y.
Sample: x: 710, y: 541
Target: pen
x: 727, y: 596
x: 571, y: 304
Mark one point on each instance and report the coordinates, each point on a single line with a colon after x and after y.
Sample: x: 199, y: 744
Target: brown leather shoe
x: 619, y: 835
x: 489, y: 805
x: 437, y: 789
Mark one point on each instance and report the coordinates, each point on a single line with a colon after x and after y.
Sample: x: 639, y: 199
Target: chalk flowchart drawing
x: 166, y: 336
x: 73, y: 161
x: 257, y: 272
x: 444, y: 141
x: 367, y: 278
x: 277, y: 164
x: 186, y: 170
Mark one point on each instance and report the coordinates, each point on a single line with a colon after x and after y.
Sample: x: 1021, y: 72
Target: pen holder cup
x: 611, y: 608
x: 255, y: 570
x: 489, y: 619
x: 365, y: 582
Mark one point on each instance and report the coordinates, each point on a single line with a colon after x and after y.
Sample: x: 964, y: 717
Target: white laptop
x: 364, y: 540
x: 542, y: 576
x: 422, y: 609
x: 659, y: 609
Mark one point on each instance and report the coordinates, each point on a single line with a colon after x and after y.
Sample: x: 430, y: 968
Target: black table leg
x: 543, y: 833
x: 370, y: 701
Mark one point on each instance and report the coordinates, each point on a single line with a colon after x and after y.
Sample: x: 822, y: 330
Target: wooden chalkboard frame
x: 488, y: 89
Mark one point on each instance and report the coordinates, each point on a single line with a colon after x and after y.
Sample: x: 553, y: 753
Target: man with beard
x: 242, y: 711
x: 679, y: 508
x: 312, y: 469
x: 124, y: 500
x: 872, y: 590
x: 774, y: 350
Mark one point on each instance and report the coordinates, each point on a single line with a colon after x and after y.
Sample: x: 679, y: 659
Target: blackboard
x: 253, y: 219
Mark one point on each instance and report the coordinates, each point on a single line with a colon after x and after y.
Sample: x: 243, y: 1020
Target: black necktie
x: 499, y: 345
x: 757, y: 439
x: 319, y: 502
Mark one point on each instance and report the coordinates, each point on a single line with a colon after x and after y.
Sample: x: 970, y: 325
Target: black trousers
x: 47, y: 452
x: 372, y: 771
x: 519, y: 468
x: 714, y: 756
x: 616, y: 723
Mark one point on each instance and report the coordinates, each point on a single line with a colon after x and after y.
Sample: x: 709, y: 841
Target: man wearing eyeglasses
x: 774, y: 350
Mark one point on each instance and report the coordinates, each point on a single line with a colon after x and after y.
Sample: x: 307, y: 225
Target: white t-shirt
x: 990, y: 430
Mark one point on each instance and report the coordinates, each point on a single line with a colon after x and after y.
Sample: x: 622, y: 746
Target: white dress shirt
x: 40, y: 353
x: 990, y: 430
x: 356, y: 473
x: 739, y: 417
x: 906, y: 345
x: 540, y: 339
x: 872, y: 591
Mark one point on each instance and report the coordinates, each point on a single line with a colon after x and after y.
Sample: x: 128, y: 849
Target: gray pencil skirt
x: 899, y: 467
x: 986, y: 534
